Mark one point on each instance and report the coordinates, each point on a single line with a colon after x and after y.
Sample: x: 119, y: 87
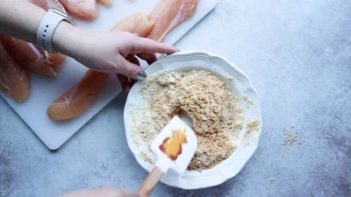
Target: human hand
x: 102, y: 192
x: 107, y: 52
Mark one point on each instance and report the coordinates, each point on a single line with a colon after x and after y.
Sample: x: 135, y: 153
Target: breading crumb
x: 215, y: 112
x: 248, y: 101
x: 291, y: 137
x: 252, y: 126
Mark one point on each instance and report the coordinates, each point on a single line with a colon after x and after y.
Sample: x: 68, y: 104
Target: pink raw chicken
x: 32, y: 57
x: 14, y: 80
x: 106, y: 3
x: 82, y: 9
x: 170, y: 13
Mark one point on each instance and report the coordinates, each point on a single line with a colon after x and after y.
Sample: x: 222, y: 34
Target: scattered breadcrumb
x: 145, y: 157
x: 272, y: 179
x: 215, y: 112
x: 291, y: 137
x: 248, y: 101
x: 252, y: 126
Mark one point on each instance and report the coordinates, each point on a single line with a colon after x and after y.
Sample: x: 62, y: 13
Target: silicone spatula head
x: 174, y: 146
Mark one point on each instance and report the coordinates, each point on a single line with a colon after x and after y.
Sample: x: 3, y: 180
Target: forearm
x: 20, y: 19
x: 103, y: 51
x: 68, y: 39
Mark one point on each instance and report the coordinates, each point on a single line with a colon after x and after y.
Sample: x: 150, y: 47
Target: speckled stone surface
x: 298, y: 55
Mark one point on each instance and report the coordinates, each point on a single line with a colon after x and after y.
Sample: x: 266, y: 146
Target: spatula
x: 179, y: 162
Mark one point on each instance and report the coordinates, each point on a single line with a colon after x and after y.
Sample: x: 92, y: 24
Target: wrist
x: 66, y: 38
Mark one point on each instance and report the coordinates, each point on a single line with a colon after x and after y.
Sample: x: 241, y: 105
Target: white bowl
x: 241, y: 85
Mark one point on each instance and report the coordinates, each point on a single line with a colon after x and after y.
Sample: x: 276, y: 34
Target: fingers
x: 111, y: 192
x: 145, y: 45
x: 125, y: 81
x: 129, y: 69
x: 128, y: 193
x: 148, y: 57
x: 133, y: 59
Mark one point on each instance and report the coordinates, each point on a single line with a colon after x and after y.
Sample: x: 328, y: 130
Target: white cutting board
x: 44, y: 90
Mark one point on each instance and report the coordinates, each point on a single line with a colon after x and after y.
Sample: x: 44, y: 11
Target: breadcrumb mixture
x: 215, y: 112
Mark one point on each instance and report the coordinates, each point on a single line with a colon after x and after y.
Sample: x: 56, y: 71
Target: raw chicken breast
x: 14, y: 79
x: 32, y: 57
x: 170, y: 13
x: 82, y: 9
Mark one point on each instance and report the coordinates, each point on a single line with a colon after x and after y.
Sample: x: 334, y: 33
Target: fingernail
x: 141, y: 75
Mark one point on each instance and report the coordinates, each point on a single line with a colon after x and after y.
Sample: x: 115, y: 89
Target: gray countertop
x: 298, y: 56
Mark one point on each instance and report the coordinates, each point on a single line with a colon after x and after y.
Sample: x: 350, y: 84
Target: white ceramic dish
x: 241, y: 85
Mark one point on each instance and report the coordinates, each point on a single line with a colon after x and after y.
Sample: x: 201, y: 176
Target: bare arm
x: 105, y: 52
x: 20, y: 19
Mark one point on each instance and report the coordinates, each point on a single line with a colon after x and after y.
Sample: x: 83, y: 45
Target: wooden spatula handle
x: 150, y: 182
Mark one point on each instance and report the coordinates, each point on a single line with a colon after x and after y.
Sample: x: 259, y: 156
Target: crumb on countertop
x: 291, y: 137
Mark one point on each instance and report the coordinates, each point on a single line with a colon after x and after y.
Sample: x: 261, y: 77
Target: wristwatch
x: 47, y: 27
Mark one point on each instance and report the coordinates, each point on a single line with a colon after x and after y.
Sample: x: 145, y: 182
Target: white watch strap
x: 47, y: 27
